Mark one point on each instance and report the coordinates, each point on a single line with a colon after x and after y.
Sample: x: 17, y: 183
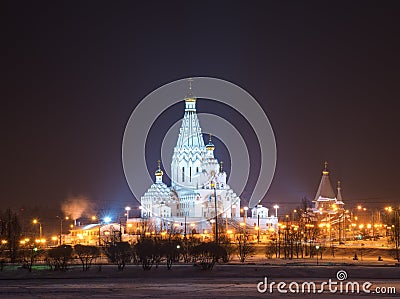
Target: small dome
x: 159, y: 172
x: 210, y: 146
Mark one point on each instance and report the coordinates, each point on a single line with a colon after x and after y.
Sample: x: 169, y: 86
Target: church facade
x: 199, y: 188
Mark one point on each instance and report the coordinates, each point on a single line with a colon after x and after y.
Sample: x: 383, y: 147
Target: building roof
x: 325, y: 190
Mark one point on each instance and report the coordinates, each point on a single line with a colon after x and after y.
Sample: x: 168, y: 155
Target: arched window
x: 183, y: 174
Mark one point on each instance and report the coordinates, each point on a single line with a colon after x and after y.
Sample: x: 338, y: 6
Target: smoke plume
x: 77, y: 206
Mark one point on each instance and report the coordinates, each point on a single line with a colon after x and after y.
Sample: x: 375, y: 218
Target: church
x: 199, y: 188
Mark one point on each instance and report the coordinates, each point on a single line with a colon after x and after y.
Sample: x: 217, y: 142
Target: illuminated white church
x: 196, y: 177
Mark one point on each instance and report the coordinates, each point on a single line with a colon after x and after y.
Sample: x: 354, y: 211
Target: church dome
x: 159, y: 172
x: 210, y: 146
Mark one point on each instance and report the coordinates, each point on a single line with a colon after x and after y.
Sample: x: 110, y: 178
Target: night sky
x: 326, y: 73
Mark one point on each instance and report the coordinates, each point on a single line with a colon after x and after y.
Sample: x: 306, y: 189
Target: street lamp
x: 245, y: 209
x: 106, y: 220
x: 317, y: 247
x: 61, y: 227
x: 216, y: 211
x: 127, y: 209
x: 276, y: 207
x: 35, y: 221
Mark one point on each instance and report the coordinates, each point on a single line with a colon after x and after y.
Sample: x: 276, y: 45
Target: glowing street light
x: 107, y: 219
x: 213, y: 186
x: 54, y: 239
x: 35, y: 221
x: 127, y: 209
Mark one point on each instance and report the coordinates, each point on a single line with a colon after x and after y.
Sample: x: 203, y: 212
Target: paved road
x: 228, y: 281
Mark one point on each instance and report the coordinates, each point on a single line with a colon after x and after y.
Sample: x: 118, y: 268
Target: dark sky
x: 325, y: 72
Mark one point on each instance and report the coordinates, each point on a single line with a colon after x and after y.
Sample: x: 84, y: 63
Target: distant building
x: 89, y: 234
x: 329, y: 210
x: 260, y: 218
x: 326, y: 201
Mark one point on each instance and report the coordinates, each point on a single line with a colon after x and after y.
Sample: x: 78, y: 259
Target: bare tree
x: 229, y: 247
x: 86, y: 255
x: 119, y: 253
x: 29, y: 255
x: 58, y: 257
x: 11, y: 233
x: 207, y: 254
x: 144, y: 250
x: 395, y: 237
x: 244, y: 248
x: 170, y: 249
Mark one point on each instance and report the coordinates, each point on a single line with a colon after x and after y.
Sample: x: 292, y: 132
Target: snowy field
x: 186, y: 281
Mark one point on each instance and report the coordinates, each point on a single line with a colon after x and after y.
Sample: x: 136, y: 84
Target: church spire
x: 189, y: 149
x: 190, y: 100
x: 339, y: 192
x: 325, y: 189
x: 190, y: 92
x: 325, y: 171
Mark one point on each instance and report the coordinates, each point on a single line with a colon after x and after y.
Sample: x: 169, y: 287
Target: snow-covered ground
x: 186, y: 281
